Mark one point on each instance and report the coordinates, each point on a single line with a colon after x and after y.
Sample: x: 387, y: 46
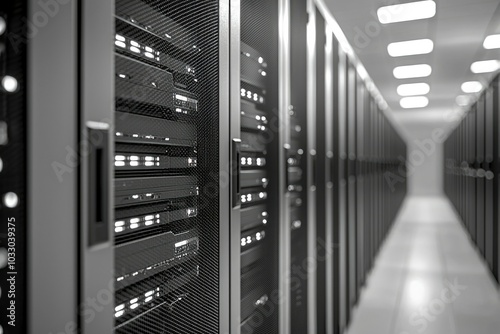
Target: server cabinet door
x: 53, y: 163
x: 480, y: 174
x: 311, y: 162
x: 333, y: 229
x: 351, y: 186
x: 319, y: 166
x: 261, y: 106
x: 13, y: 165
x: 489, y: 179
x: 297, y: 167
x: 170, y: 229
x: 342, y: 189
x: 360, y: 185
x: 95, y: 172
x: 471, y: 157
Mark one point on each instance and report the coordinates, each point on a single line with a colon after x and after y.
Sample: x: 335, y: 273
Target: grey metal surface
x: 52, y: 202
x: 96, y: 105
x: 235, y: 132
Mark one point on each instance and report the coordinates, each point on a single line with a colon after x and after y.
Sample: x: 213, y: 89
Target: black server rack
x: 13, y: 166
x: 480, y: 174
x: 296, y: 162
x: 487, y: 167
x: 337, y: 180
x: 166, y: 149
x: 259, y: 163
x: 358, y: 176
x: 319, y: 165
x: 471, y: 170
x: 351, y: 188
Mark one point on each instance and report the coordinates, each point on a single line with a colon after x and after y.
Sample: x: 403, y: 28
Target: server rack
x: 166, y: 159
x: 260, y: 156
x: 319, y: 165
x: 296, y: 160
x: 13, y: 165
x: 357, y: 179
x: 471, y: 166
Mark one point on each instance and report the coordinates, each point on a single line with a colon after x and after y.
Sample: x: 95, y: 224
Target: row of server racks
x: 187, y: 167
x: 472, y: 158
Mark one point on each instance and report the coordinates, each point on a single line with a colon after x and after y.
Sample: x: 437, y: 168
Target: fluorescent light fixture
x: 414, y: 102
x: 463, y: 100
x: 485, y: 66
x: 412, y: 71
x: 410, y: 48
x: 407, y: 12
x: 414, y: 89
x: 492, y: 42
x: 472, y: 87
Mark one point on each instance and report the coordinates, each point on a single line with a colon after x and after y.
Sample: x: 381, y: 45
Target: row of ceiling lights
x: 413, y: 95
x: 484, y: 66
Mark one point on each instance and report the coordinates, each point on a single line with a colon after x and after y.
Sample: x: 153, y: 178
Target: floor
x: 428, y: 278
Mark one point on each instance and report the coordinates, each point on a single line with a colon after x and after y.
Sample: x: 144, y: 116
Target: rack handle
x: 235, y: 172
x: 99, y: 181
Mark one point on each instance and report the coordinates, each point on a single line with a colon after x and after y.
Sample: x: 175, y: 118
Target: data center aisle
x: 428, y: 278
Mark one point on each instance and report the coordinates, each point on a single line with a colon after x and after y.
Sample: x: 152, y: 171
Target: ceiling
x: 458, y: 31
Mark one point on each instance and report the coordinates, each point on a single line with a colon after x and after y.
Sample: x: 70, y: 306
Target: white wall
x: 426, y: 132
x: 425, y: 175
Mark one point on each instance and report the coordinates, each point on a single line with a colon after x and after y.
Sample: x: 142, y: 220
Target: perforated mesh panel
x: 259, y: 134
x: 166, y: 166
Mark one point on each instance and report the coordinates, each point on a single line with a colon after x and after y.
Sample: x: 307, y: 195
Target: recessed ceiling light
x: 413, y: 89
x: 472, y: 87
x: 410, y: 48
x: 492, y: 42
x: 407, y: 12
x: 485, y: 66
x: 414, y: 102
x: 412, y: 71
x: 463, y: 100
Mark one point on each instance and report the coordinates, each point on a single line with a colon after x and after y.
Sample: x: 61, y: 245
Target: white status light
x: 414, y: 102
x: 414, y: 89
x: 412, y: 71
x: 9, y: 84
x: 407, y: 12
x: 10, y: 200
x: 485, y: 66
x: 410, y: 48
x: 472, y: 87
